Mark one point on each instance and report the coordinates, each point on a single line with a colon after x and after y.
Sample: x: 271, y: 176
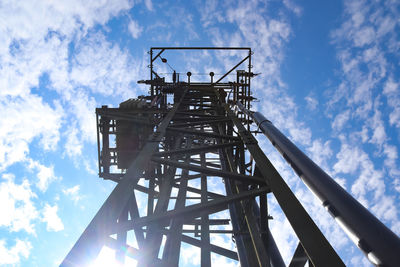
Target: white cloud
x: 293, y: 7
x: 39, y: 33
x: 364, y: 36
x: 218, y: 260
x: 212, y: 13
x: 135, y: 29
x: 340, y: 120
x: 83, y: 107
x: 73, y: 193
x: 392, y: 93
x: 35, y: 18
x: 349, y: 159
x: 377, y: 127
x: 390, y: 86
x: 363, y: 53
x: 386, y: 208
x: 25, y: 119
x: 73, y: 146
x: 17, y: 207
x: 369, y: 181
x: 91, y: 166
x: 322, y: 218
x: 50, y: 216
x: 256, y: 28
x: 366, y: 44
x: 300, y: 134
x: 320, y: 152
x: 44, y: 174
x: 12, y: 256
x: 282, y: 231
x: 35, y: 42
x: 312, y: 102
x: 190, y: 254
x: 149, y: 4
x: 104, y: 68
x: 390, y: 162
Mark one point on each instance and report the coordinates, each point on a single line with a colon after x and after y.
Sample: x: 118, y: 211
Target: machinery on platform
x: 197, y: 157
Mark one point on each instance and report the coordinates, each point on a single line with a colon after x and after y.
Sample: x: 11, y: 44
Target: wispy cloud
x: 27, y: 118
x: 320, y: 152
x: 51, y: 218
x: 73, y: 193
x: 42, y: 94
x: 134, y: 29
x: 149, y: 5
x: 312, y: 102
x: 291, y: 5
x: 104, y: 68
x: 340, y: 120
x: 59, y: 44
x: 18, y: 209
x: 44, y: 174
x: 36, y: 44
x: 392, y: 93
x: 365, y: 43
x: 12, y: 255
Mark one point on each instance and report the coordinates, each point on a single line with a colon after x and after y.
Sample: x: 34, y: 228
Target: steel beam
x: 299, y: 257
x: 93, y: 238
x: 192, y: 211
x: 209, y: 171
x: 315, y: 244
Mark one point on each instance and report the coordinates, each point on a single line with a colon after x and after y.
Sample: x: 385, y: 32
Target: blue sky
x: 329, y: 80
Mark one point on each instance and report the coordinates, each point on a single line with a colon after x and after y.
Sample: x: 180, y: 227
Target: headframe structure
x: 178, y: 155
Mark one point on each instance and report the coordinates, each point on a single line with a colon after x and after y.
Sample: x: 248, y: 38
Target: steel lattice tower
x: 176, y: 154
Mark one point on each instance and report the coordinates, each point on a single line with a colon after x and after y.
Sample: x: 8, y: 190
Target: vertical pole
x: 264, y: 219
x: 105, y: 153
x: 150, y: 201
x: 122, y: 236
x: 98, y: 142
x: 248, y: 89
x: 205, y: 223
x: 151, y: 72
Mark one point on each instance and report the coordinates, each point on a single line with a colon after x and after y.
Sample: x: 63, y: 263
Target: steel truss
x: 199, y: 142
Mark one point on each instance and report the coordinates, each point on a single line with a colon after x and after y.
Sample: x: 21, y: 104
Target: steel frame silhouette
x: 181, y: 151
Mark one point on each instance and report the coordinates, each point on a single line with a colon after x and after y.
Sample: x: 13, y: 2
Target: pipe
x: 377, y: 241
x: 274, y: 253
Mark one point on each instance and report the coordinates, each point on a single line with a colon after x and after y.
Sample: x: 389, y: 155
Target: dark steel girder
x: 128, y: 250
x: 215, y: 249
x: 200, y: 133
x: 208, y: 163
x: 195, y: 150
x: 209, y: 171
x: 318, y: 249
x: 198, y: 191
x: 188, y: 212
x: 93, y: 238
x: 195, y: 123
x: 299, y: 257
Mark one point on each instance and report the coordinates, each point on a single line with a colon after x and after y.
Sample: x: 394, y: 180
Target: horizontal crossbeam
x: 209, y: 171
